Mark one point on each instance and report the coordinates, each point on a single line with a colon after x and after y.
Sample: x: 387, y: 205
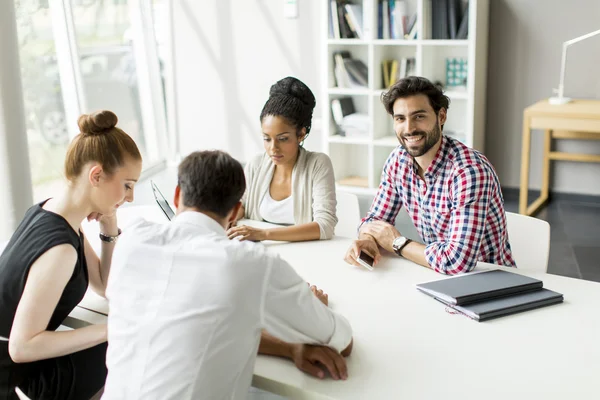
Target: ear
x: 301, y: 135
x: 177, y: 196
x: 95, y: 174
x: 234, y: 212
x: 442, y: 116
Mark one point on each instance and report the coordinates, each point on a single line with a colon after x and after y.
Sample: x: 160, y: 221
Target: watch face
x: 398, y: 242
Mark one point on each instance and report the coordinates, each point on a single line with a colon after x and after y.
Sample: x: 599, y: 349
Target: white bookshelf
x: 364, y: 156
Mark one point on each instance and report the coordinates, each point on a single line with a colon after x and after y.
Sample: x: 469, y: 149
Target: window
x: 45, y: 114
x: 79, y: 56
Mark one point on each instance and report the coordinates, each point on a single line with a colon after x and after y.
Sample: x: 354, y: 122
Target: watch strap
x: 399, y: 249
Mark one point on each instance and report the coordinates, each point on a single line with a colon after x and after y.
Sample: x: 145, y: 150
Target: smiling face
x: 281, y: 140
x: 112, y: 191
x: 416, y: 124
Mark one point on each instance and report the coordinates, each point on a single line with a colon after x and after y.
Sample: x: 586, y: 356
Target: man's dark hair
x: 411, y: 86
x: 291, y: 99
x: 211, y: 181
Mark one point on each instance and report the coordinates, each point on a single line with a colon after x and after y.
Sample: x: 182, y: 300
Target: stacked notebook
x: 491, y: 294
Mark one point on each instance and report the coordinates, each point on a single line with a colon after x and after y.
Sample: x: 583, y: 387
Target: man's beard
x: 431, y: 138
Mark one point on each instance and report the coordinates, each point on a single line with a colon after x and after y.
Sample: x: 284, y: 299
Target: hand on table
x: 368, y: 245
x: 324, y: 297
x: 245, y: 232
x: 315, y: 359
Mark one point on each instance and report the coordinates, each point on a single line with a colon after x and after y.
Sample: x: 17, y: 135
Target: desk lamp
x: 560, y: 99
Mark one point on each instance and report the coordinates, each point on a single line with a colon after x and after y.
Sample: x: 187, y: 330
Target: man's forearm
x: 415, y: 252
x: 272, y: 346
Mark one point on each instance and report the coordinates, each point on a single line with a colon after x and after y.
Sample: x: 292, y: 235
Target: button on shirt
x: 458, y: 208
x: 187, y: 306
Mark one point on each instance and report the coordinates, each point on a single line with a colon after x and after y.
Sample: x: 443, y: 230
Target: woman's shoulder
x: 314, y: 159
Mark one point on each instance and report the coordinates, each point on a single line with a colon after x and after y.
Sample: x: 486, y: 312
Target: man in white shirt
x: 187, y: 305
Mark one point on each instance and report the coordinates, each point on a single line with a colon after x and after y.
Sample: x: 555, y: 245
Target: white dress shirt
x: 187, y: 306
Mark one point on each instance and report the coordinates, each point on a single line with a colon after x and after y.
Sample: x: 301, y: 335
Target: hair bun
x: 291, y: 86
x: 97, y: 123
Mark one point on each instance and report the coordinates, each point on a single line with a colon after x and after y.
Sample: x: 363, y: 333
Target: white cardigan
x: 313, y: 189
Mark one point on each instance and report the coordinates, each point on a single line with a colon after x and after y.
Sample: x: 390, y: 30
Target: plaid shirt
x: 458, y: 209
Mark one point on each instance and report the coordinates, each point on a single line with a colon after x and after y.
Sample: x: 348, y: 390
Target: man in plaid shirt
x: 450, y: 191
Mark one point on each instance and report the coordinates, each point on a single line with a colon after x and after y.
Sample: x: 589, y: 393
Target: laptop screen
x: 162, y: 202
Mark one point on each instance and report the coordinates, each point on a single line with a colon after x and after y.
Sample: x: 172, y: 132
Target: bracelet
x: 110, y: 239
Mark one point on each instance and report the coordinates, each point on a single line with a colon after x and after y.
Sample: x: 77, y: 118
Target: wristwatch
x: 110, y: 239
x: 399, y: 243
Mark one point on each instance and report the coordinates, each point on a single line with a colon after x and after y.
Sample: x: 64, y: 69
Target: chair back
x: 348, y: 214
x: 529, y: 240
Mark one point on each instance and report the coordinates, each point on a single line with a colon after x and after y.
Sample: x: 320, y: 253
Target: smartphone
x: 365, y: 260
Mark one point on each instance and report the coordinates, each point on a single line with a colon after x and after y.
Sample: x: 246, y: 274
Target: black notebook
x: 488, y: 309
x: 480, y: 286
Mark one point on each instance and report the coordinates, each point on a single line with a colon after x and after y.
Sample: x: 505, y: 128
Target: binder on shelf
x: 349, y: 72
x: 463, y: 29
x: 340, y: 108
x: 478, y: 286
x: 446, y: 19
x: 453, y: 17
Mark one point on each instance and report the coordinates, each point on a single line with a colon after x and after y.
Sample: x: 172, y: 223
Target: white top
x: 277, y: 212
x: 313, y: 189
x: 187, y: 306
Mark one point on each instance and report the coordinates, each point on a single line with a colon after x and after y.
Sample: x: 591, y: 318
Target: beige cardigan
x: 313, y: 189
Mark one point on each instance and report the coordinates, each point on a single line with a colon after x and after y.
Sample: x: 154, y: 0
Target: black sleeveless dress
x: 75, y: 376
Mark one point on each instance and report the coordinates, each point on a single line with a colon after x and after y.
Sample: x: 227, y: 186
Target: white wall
x: 525, y: 45
x: 227, y: 55
x: 229, y: 52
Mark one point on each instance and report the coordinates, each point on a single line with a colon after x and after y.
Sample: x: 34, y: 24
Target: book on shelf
x: 393, y: 20
x: 393, y: 70
x: 340, y: 108
x: 354, y: 16
x: 333, y: 19
x: 463, y: 28
x: 346, y: 20
x: 349, y: 72
x: 356, y: 125
x: 411, y: 31
x: 453, y: 17
x: 449, y: 19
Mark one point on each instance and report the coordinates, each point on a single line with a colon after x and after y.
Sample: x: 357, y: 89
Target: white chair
x: 348, y: 214
x: 530, y: 241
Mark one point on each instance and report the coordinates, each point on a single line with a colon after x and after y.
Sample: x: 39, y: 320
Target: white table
x: 406, y: 346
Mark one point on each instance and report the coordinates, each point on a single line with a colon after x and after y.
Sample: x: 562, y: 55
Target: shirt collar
x: 198, y: 219
x: 438, y: 161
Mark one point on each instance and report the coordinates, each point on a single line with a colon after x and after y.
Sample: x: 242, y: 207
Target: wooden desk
x: 579, y: 119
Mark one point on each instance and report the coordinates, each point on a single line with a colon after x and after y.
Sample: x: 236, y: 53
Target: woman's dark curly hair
x: 291, y: 99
